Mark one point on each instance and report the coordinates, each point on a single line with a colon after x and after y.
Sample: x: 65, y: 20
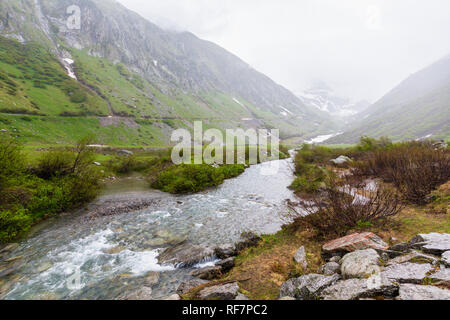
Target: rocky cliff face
x: 168, y: 60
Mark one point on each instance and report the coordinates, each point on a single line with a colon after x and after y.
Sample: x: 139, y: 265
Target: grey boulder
x: 307, y: 287
x: 407, y: 272
x: 446, y: 258
x: 300, y: 257
x: 417, y: 292
x: 435, y: 243
x: 353, y: 289
x: 208, y: 273
x: 360, y: 264
x: 227, y: 291
x: 330, y: 268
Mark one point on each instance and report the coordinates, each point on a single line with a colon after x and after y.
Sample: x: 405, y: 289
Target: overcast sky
x: 360, y: 48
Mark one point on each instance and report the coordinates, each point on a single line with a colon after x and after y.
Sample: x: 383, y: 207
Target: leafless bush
x: 342, y: 207
x: 415, y: 169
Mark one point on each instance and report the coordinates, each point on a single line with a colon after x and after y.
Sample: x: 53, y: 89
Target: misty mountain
x: 169, y: 74
x: 322, y: 97
x: 418, y: 108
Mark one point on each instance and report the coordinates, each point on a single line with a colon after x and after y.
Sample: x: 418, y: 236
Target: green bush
x: 193, y: 178
x: 54, y: 164
x: 13, y: 223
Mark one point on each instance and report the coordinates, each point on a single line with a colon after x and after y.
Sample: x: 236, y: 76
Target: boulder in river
x: 208, y: 273
x: 226, y: 264
x: 360, y: 264
x: 185, y: 255
x: 227, y: 291
x: 353, y: 242
x: 418, y: 292
x: 250, y: 239
x: 225, y: 251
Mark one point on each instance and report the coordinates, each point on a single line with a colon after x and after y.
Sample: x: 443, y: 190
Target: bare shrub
x: 342, y: 207
x: 415, y: 169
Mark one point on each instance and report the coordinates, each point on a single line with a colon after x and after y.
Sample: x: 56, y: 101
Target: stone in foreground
x: 417, y: 292
x: 407, y: 272
x: 300, y: 257
x: 442, y: 275
x: 307, y: 287
x: 360, y: 264
x: 353, y: 242
x: 227, y: 291
x: 435, y: 243
x: 354, y: 289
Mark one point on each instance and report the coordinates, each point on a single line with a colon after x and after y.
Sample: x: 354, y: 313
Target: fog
x: 360, y: 48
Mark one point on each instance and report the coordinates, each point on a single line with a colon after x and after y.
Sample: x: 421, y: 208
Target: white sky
x: 361, y: 48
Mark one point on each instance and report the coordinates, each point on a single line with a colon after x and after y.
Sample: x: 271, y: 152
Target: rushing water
x: 116, y: 255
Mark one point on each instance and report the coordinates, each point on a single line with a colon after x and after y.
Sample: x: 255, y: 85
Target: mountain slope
x: 141, y: 71
x: 417, y: 108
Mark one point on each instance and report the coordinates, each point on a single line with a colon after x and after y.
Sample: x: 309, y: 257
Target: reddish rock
x: 353, y: 242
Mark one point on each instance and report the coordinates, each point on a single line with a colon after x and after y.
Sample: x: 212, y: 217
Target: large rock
x: 341, y: 160
x: 353, y: 242
x: 435, y: 243
x: 407, y: 272
x: 250, y: 239
x: 330, y: 268
x: 446, y: 258
x: 208, y: 273
x: 307, y: 287
x: 417, y: 292
x: 227, y: 291
x: 145, y: 293
x: 300, y: 257
x: 360, y: 264
x: 353, y: 289
x: 185, y: 255
x: 187, y: 286
x: 442, y: 275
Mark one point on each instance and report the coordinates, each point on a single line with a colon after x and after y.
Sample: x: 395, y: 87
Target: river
x: 110, y: 257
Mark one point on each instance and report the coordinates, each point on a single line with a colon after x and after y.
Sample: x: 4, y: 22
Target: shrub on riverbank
x: 60, y: 180
x: 191, y: 178
x: 415, y: 168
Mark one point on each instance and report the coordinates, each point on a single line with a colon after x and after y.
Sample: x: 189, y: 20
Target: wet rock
x: 359, y: 264
x: 226, y: 264
x: 9, y: 247
x: 443, y: 275
x: 115, y: 250
x: 407, y: 272
x: 418, y: 292
x: 434, y: 243
x: 208, y: 273
x: 401, y: 247
x: 224, y: 252
x: 241, y: 297
x: 187, y: 286
x: 446, y: 258
x: 353, y: 289
x: 145, y: 293
x: 227, y: 291
x: 330, y: 268
x: 151, y: 278
x: 307, y: 287
x: 44, y: 267
x: 184, y: 255
x: 353, y: 242
x: 300, y: 257
x: 250, y: 240
x: 6, y: 270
